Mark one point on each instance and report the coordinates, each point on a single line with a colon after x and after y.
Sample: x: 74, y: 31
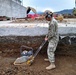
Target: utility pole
x: 11, y: 9
x: 22, y: 2
x: 75, y: 3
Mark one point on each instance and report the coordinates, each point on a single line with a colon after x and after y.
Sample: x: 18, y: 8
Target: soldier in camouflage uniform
x: 53, y: 39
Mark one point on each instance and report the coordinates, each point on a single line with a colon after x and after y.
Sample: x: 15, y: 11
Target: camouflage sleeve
x: 52, y: 30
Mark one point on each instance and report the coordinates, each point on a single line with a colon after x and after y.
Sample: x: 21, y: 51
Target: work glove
x: 46, y: 38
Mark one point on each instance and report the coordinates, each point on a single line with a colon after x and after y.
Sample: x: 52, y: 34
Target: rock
x: 3, y: 73
x: 0, y: 52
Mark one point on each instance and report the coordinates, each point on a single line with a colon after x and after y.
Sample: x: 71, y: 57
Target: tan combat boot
x: 46, y: 59
x: 51, y: 66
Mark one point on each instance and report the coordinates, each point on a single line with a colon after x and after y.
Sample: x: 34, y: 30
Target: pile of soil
x: 28, y: 21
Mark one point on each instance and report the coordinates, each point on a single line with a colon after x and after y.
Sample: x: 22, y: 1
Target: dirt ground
x: 65, y: 65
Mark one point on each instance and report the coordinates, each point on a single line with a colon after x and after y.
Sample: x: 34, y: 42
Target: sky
x: 53, y: 5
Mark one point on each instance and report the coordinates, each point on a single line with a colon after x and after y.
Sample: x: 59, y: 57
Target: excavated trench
x: 10, y: 45
x: 10, y: 50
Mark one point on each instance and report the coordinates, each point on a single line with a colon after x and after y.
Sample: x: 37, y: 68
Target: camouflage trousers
x: 51, y: 49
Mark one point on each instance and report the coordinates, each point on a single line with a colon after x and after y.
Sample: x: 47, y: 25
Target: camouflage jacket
x: 53, y: 30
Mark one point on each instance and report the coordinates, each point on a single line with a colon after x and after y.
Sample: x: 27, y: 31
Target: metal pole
x: 75, y: 3
x: 22, y: 2
x: 11, y: 10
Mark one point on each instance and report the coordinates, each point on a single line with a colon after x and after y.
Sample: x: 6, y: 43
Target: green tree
x: 74, y: 11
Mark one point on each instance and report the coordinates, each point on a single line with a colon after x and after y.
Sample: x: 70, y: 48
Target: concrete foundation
x: 12, y: 36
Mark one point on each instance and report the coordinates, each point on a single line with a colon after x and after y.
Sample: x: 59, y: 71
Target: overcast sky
x: 54, y: 5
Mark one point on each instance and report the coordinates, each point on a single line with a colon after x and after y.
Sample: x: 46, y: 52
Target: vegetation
x: 74, y: 11
x: 59, y: 18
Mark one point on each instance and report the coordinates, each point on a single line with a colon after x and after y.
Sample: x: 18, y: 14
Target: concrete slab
x: 33, y: 29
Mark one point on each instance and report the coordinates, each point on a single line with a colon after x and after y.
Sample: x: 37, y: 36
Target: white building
x: 17, y: 1
x: 12, y: 8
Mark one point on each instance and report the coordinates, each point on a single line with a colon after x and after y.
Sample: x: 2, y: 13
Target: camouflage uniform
x: 53, y: 39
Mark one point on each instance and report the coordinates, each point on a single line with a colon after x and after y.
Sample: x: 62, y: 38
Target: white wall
x: 17, y: 1
x: 11, y: 9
